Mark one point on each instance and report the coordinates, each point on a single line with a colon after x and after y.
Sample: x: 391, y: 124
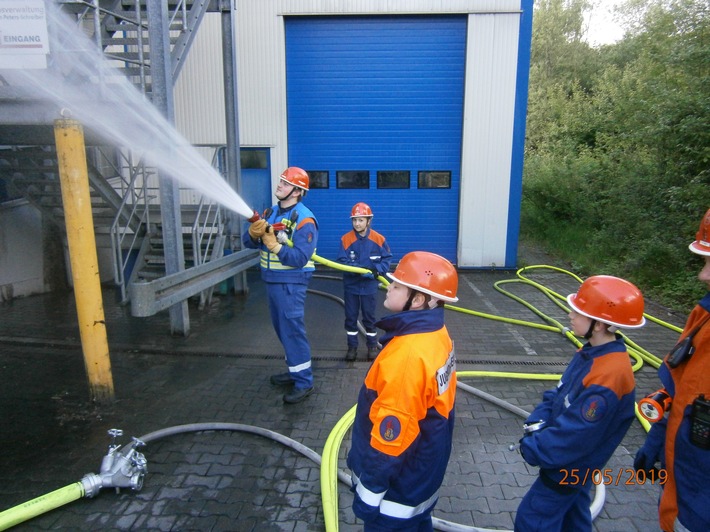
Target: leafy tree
x: 618, y: 143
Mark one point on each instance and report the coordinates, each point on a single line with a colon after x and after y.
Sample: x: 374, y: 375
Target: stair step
x: 131, y: 26
x: 129, y: 5
x: 150, y: 274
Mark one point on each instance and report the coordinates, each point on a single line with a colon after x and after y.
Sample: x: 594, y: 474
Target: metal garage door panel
x: 379, y: 93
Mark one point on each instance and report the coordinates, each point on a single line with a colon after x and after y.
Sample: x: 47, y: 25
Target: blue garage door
x: 375, y: 107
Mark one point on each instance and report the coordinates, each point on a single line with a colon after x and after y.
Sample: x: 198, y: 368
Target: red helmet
x: 298, y: 177
x: 609, y: 300
x: 701, y: 245
x: 361, y: 210
x: 428, y: 273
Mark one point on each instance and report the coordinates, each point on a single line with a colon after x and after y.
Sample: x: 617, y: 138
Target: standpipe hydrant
x: 118, y: 469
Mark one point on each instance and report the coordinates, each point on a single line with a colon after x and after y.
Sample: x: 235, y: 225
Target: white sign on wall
x: 24, y: 42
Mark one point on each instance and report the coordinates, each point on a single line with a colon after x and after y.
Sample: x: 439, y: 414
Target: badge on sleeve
x: 390, y: 428
x: 594, y: 408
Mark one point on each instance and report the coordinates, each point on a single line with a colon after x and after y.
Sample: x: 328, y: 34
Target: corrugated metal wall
x: 496, y: 92
x: 373, y: 94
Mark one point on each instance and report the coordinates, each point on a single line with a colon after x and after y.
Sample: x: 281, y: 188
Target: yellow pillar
x: 74, y: 178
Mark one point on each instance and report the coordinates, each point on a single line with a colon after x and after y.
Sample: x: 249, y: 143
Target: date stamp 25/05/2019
x: 612, y: 477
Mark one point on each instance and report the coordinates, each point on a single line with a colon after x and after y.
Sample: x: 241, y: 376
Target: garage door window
x: 434, y: 179
x: 352, y: 179
x: 393, y: 179
x: 318, y: 178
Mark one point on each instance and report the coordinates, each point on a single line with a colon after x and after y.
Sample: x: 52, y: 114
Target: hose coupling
x: 533, y: 426
x: 91, y: 483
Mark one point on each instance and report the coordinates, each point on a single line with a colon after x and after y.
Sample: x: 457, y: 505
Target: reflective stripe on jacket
x: 402, y: 434
x: 293, y: 264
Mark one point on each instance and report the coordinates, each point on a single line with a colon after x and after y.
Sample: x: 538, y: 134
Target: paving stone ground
x: 235, y: 480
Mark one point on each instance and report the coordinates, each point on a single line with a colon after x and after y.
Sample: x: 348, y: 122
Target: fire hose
x: 126, y: 468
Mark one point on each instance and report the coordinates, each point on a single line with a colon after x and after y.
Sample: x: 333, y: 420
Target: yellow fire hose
x: 329, y: 463
x: 40, y: 505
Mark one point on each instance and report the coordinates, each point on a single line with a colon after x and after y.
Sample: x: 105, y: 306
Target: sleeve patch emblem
x: 390, y: 428
x: 594, y: 408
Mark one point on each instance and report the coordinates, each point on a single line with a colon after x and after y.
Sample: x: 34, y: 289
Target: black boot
x: 372, y: 353
x: 281, y: 379
x: 296, y: 396
x: 351, y: 354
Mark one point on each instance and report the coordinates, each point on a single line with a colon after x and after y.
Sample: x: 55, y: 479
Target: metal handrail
x: 209, y: 225
x: 133, y: 212
x: 206, y: 230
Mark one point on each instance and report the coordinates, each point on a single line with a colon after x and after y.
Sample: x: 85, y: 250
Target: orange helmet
x: 298, y: 177
x: 361, y: 210
x: 701, y: 245
x: 609, y: 300
x: 428, y: 273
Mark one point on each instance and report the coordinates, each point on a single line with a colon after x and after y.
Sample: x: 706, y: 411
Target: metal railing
x: 131, y: 224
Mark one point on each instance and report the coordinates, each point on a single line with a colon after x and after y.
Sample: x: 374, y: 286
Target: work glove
x: 652, y: 450
x: 371, y: 274
x: 269, y: 240
x: 257, y: 229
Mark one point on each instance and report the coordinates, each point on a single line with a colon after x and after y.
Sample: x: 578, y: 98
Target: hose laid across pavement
x: 329, y: 470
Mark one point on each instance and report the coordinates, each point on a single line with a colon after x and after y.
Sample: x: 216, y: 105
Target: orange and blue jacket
x: 586, y: 415
x: 402, y: 433
x: 687, y: 491
x: 370, y: 251
x: 293, y: 263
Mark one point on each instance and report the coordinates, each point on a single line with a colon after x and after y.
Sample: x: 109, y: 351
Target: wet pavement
x: 235, y: 480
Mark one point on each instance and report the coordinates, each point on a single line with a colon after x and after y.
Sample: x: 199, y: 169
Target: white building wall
x: 21, y: 254
x: 489, y: 105
x: 491, y: 69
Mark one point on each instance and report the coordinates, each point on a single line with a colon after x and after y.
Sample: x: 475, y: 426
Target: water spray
x: 83, y: 84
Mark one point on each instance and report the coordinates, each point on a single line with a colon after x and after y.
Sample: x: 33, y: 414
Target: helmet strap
x: 590, y: 331
x: 293, y: 189
x: 434, y: 302
x: 408, y: 304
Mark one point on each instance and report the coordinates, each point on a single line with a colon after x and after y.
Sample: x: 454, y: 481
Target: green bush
x: 617, y: 167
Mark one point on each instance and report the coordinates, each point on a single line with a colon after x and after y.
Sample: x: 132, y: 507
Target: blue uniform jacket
x: 586, y: 416
x: 293, y: 263
x: 369, y: 251
x: 402, y: 433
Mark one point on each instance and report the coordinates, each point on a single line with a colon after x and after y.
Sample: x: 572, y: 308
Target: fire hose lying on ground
x: 126, y: 467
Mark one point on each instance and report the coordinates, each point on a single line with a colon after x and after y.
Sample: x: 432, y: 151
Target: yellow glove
x: 269, y: 240
x: 257, y: 229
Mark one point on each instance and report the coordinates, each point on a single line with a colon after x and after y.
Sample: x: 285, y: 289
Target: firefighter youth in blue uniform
x: 680, y: 439
x: 286, y: 268
x: 578, y: 425
x: 404, y: 420
x: 362, y: 247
